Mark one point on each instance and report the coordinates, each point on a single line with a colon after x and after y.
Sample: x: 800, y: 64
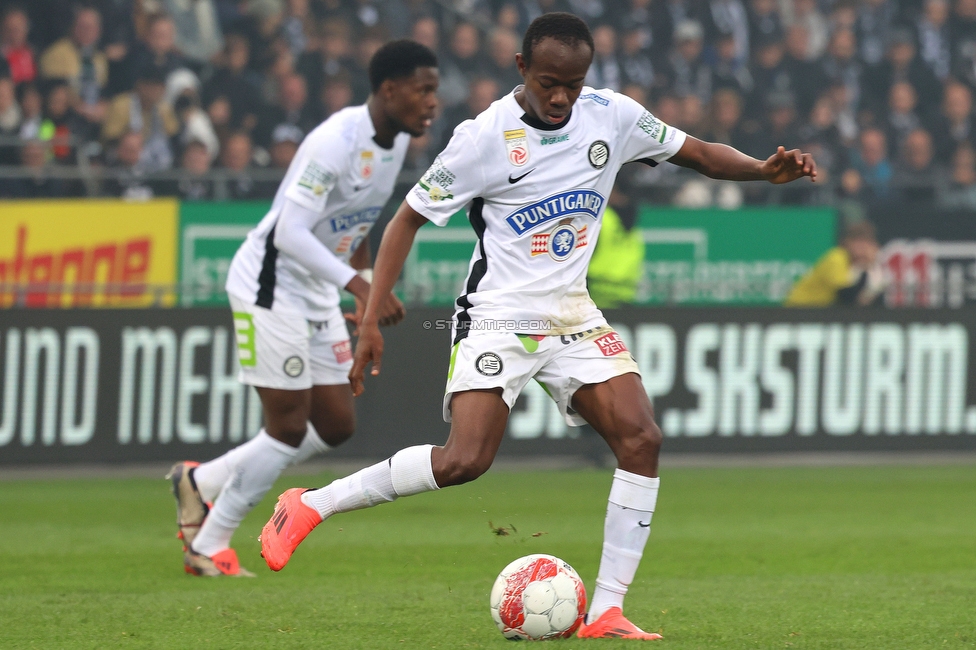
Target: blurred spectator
x: 336, y: 95
x: 296, y: 25
x: 821, y: 131
x: 900, y: 65
x: 934, y: 45
x: 10, y: 119
x: 482, y: 93
x: 870, y: 161
x: 807, y: 79
x: 728, y: 71
x: 691, y: 118
x: 234, y: 82
x: 841, y: 66
x: 329, y: 58
x: 366, y: 46
x: 14, y: 47
x: 957, y: 127
x: 769, y: 74
x: 959, y: 190
x: 145, y: 112
x: 31, y: 107
x: 60, y: 124
x: 687, y: 71
x: 236, y: 157
x: 902, y: 116
x: 461, y: 63
x: 634, y: 22
x: 807, y: 16
x: 284, y: 145
x: 77, y: 59
x: 194, y: 124
x: 726, y: 113
x: 605, y: 70
x: 129, y: 180
x: 729, y: 17
x: 40, y: 181
x: 198, y: 33
x: 292, y: 108
x: 848, y: 274
x: 427, y: 32
x: 501, y: 67
x: 194, y: 166
x: 875, y: 19
x: 916, y: 174
x: 158, y: 50
x: 764, y: 20
x: 635, y: 63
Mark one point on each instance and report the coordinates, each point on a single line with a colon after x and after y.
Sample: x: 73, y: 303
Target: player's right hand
x: 369, y: 348
x: 392, y: 311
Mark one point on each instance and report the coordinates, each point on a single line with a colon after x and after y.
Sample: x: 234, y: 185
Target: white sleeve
x: 321, y: 163
x: 454, y: 178
x: 294, y: 237
x: 644, y: 136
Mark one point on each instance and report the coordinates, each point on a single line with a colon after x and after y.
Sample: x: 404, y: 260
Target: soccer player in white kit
x: 547, y: 156
x: 283, y: 286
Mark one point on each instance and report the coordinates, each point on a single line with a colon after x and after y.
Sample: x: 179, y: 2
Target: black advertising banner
x: 152, y: 385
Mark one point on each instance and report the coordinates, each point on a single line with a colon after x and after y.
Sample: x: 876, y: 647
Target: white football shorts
x: 286, y: 351
x: 561, y: 364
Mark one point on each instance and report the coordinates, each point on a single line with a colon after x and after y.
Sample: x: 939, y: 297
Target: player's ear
x: 520, y: 64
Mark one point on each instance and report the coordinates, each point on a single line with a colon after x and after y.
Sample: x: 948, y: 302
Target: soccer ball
x: 538, y: 597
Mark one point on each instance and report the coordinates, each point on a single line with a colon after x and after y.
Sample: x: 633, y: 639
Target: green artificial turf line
x: 855, y: 557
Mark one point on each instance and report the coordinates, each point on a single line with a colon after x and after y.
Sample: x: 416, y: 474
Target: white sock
x: 256, y: 470
x: 407, y: 472
x: 312, y: 445
x: 212, y: 475
x: 625, y: 532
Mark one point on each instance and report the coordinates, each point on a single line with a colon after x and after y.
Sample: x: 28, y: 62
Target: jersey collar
x: 534, y: 122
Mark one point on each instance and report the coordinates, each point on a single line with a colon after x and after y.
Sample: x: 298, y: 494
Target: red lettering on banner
x: 611, y: 344
x: 342, y: 351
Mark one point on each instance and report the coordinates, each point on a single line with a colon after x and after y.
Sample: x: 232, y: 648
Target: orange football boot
x: 291, y: 522
x: 613, y: 625
x: 224, y: 563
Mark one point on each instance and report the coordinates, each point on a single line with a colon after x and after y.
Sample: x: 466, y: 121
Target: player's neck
x: 386, y: 131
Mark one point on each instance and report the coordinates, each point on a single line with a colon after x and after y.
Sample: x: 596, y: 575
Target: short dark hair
x: 399, y: 59
x: 559, y: 25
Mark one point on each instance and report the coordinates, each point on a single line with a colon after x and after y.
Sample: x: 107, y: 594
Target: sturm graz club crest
x: 599, y: 154
x: 293, y: 366
x: 489, y: 364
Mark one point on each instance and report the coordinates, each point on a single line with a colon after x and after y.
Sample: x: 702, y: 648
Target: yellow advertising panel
x: 91, y: 253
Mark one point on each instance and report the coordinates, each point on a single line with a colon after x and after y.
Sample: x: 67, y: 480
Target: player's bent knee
x: 644, y: 441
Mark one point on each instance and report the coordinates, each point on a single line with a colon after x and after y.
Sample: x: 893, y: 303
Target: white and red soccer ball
x: 538, y: 597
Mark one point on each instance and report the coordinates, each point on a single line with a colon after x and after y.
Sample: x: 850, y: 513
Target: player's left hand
x: 369, y: 348
x: 392, y: 311
x: 786, y: 166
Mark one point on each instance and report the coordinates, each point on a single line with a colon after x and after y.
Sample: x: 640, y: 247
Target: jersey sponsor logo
x: 555, y: 139
x: 654, y: 127
x: 436, y: 181
x: 559, y: 243
x: 345, y: 222
x: 603, y: 101
x: 599, y: 154
x: 366, y: 164
x: 489, y: 364
x: 611, y: 344
x: 316, y: 179
x: 293, y: 366
x: 342, y: 351
x: 557, y: 206
x: 517, y: 145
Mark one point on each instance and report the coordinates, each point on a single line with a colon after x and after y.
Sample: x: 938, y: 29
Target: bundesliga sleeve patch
x: 517, y: 145
x: 316, y: 180
x: 655, y: 128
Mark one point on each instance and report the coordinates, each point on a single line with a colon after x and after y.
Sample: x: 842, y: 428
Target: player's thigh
x: 479, y: 418
x: 333, y: 413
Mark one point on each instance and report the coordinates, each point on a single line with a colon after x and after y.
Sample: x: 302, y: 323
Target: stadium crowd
x: 209, y: 99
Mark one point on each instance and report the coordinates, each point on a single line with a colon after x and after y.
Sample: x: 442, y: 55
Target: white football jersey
x: 537, y: 194
x: 339, y: 172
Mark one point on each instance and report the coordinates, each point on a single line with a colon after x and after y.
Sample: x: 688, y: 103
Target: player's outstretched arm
x: 726, y: 163
x: 394, y: 248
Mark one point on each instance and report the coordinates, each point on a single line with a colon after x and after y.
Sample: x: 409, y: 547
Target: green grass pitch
x: 855, y: 557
